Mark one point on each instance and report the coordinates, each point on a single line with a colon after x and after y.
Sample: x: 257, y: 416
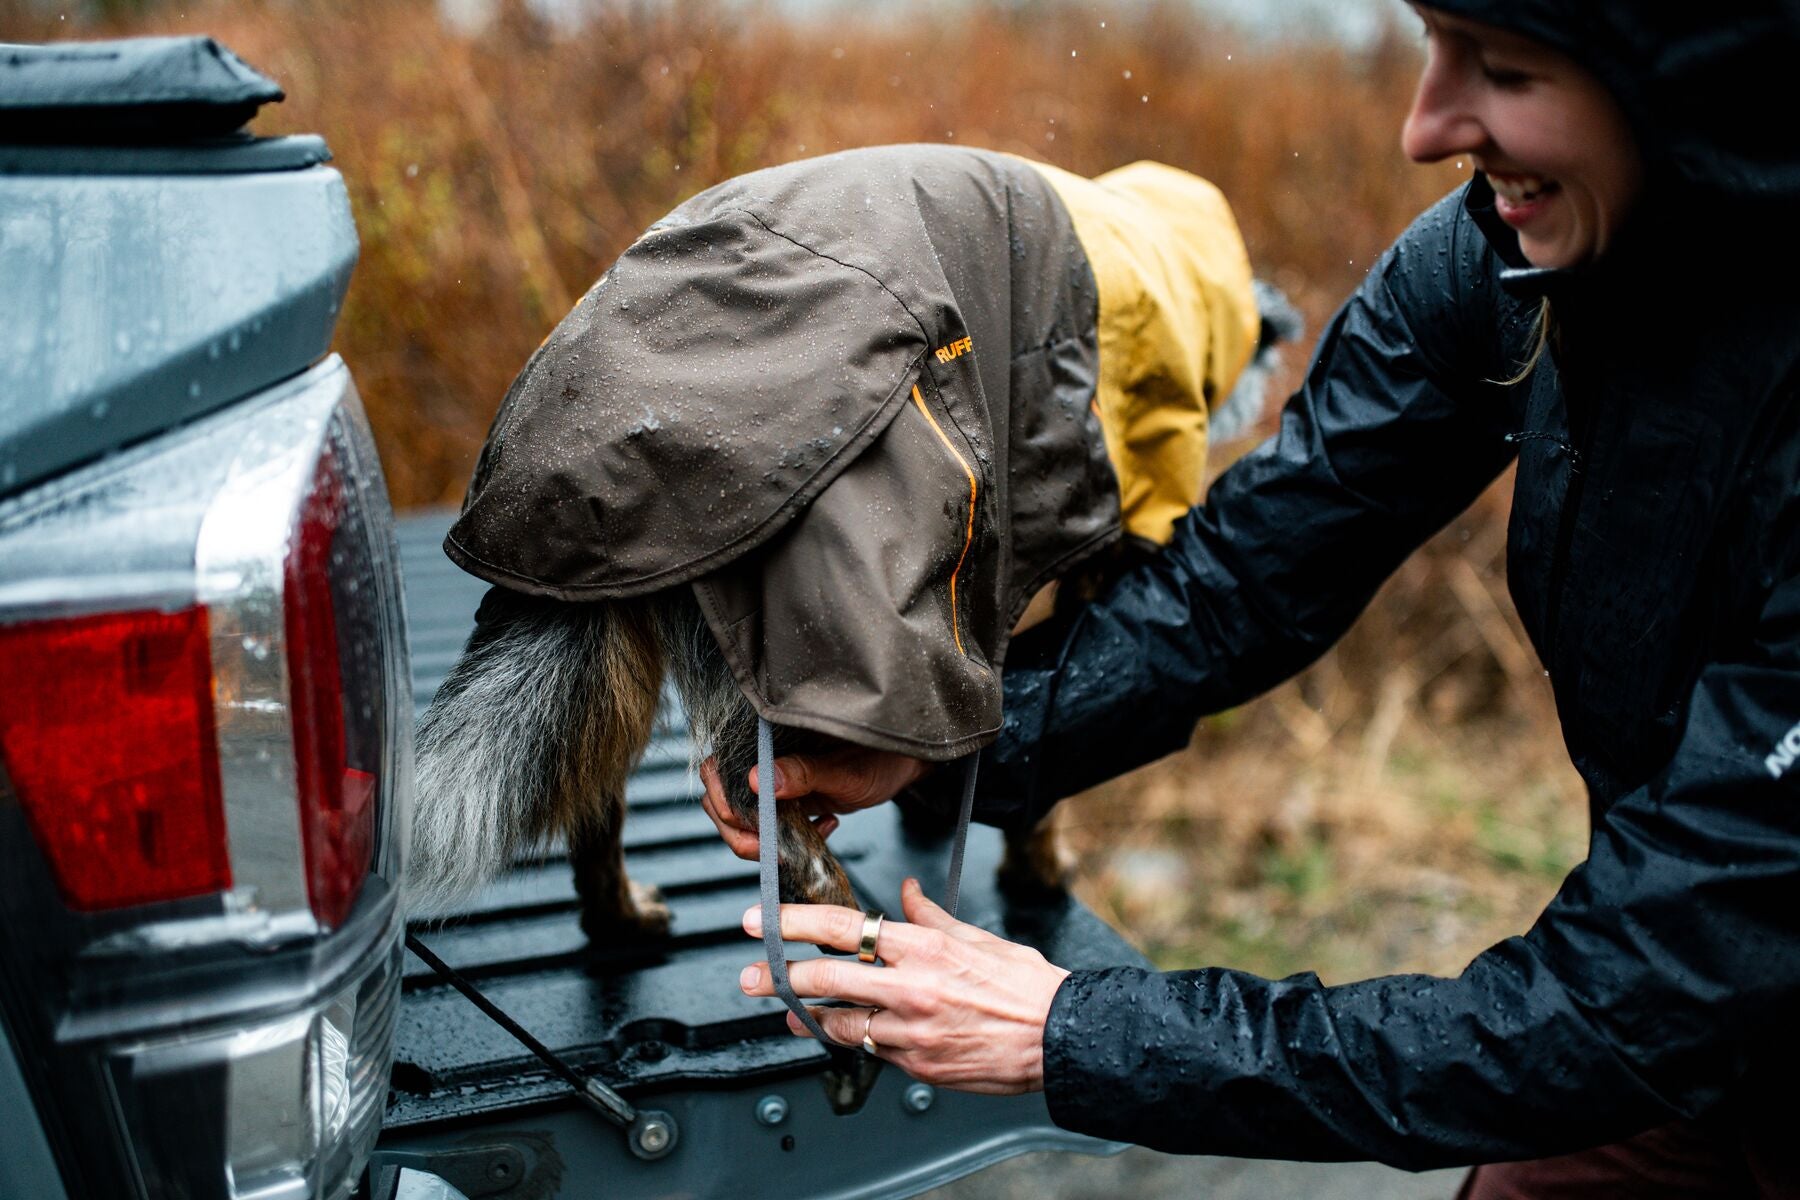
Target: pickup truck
x: 209, y: 671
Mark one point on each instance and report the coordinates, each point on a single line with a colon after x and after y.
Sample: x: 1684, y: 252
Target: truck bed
x: 668, y: 1026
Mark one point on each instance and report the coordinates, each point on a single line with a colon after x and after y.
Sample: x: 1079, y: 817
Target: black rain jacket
x: 1654, y: 555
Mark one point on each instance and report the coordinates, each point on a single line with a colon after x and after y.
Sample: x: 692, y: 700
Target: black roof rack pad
x: 166, y: 89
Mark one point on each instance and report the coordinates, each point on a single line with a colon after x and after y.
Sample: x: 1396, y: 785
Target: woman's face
x: 1549, y: 137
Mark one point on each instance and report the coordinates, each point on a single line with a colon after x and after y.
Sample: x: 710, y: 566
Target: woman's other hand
x: 823, y: 786
x: 955, y: 1006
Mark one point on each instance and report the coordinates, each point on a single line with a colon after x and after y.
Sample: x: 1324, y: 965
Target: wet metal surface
x: 137, y: 302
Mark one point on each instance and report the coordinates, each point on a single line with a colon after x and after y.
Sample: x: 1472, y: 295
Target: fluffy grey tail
x: 1243, y: 408
x: 533, y: 731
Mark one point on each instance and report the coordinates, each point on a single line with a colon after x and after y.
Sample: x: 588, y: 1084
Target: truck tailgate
x: 668, y: 1026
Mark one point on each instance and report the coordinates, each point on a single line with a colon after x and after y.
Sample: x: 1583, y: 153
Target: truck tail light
x: 214, y: 732
x: 337, y: 798
x: 106, y: 732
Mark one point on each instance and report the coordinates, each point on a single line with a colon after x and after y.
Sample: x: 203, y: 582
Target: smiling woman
x: 1550, y: 138
x: 1639, y: 1040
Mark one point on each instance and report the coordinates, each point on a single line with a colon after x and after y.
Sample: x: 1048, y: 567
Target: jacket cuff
x: 1094, y: 1081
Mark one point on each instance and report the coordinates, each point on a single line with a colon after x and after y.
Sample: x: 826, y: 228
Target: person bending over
x: 1607, y: 304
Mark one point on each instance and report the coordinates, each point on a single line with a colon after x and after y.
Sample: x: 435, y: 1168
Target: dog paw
x: 651, y: 911
x: 644, y: 919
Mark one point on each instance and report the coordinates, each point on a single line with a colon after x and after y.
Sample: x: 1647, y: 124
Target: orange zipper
x: 969, y: 532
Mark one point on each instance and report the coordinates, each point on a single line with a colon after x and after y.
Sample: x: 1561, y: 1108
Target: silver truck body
x: 179, y: 451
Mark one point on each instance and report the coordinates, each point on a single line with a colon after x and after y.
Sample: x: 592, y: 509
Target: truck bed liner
x: 668, y: 1019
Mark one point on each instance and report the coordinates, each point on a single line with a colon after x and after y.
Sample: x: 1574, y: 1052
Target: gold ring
x: 869, y: 1046
x: 872, y: 919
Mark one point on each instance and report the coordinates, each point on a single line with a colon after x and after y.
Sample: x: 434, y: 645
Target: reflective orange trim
x: 969, y: 533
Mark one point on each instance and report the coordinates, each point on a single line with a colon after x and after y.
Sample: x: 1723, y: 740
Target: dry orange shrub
x: 1355, y: 820
x: 495, y: 174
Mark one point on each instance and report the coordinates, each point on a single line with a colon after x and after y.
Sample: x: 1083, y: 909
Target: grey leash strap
x: 953, y: 889
x: 768, y: 861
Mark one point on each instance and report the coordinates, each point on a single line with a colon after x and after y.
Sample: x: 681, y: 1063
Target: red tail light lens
x: 337, y: 799
x: 106, y: 730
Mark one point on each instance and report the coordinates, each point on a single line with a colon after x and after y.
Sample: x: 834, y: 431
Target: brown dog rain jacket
x: 867, y: 405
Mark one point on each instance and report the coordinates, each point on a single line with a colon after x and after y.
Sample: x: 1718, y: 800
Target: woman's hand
x: 955, y: 1006
x: 823, y: 785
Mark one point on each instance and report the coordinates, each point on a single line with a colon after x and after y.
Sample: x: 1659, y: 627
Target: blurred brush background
x: 1401, y: 805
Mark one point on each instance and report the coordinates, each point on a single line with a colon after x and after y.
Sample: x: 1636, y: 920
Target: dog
x: 815, y: 448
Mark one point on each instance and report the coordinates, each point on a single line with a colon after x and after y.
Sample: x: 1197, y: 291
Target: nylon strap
x: 953, y: 888
x: 768, y: 861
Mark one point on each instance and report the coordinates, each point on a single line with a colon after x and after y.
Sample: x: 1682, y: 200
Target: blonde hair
x: 1541, y: 329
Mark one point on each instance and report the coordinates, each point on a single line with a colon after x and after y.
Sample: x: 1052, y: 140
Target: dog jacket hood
x: 855, y: 403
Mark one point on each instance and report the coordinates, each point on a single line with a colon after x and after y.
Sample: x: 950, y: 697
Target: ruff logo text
x: 955, y: 349
x: 1786, y: 751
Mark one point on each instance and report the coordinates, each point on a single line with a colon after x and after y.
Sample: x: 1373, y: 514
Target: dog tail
x: 534, y: 731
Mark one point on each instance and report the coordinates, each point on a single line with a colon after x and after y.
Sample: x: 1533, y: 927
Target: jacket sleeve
x: 1664, y: 968
x: 1397, y: 428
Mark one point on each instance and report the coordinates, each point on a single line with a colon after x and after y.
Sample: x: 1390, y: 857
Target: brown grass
x: 1400, y: 805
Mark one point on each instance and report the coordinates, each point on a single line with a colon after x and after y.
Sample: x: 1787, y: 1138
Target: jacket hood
x: 1706, y: 87
x: 856, y: 403
x: 708, y: 386
x: 841, y: 399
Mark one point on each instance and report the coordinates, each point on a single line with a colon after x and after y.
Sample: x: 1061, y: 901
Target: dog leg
x: 1037, y: 865
x: 614, y: 910
x: 810, y: 872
